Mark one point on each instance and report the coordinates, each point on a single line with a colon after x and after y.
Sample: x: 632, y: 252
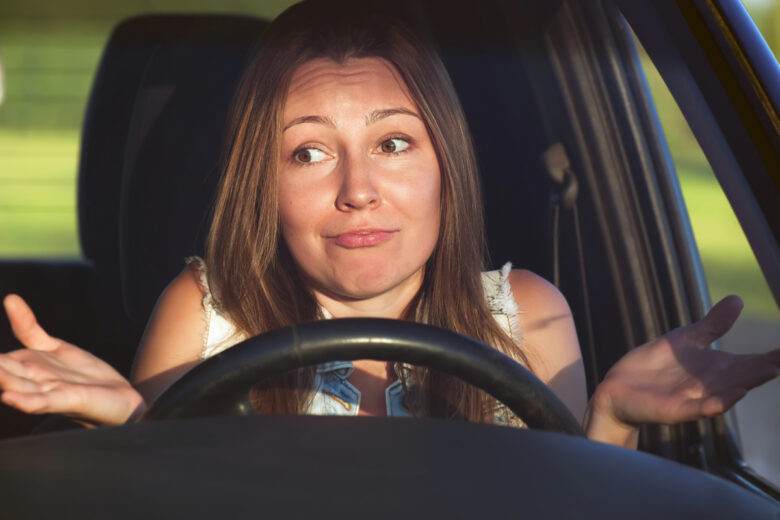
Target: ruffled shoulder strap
x: 220, y: 333
x: 199, y: 266
x: 501, y: 302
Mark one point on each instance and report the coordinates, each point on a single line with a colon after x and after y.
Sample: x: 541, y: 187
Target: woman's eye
x: 309, y: 155
x: 395, y: 145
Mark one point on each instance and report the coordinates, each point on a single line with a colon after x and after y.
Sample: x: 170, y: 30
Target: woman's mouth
x: 364, y: 238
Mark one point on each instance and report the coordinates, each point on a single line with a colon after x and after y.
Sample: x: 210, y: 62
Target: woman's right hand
x: 53, y: 376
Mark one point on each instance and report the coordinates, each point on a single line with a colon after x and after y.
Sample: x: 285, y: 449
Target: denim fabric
x: 335, y: 395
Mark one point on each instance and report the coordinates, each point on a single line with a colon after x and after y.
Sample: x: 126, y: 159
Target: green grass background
x: 49, y: 52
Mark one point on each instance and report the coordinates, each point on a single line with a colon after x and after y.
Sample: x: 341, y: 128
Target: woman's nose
x: 357, y: 190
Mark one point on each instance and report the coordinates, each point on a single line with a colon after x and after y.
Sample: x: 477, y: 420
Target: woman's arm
x: 675, y: 378
x: 173, y: 340
x: 678, y: 377
x: 550, y: 338
x: 50, y: 375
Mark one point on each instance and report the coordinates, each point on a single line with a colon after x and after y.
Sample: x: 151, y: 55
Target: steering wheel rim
x: 218, y: 386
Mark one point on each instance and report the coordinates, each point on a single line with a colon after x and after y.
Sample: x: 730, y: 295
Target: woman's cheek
x: 298, y: 199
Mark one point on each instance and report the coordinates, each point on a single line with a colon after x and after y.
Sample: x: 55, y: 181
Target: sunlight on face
x: 359, y: 182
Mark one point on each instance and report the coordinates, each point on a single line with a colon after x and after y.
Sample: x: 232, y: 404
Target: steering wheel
x: 219, y: 385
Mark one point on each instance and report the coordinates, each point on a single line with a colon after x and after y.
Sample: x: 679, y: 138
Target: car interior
x: 568, y: 187
x: 151, y: 143
x: 576, y: 179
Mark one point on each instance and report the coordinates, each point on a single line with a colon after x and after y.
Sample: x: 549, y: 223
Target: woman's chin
x: 371, y: 283
x: 364, y: 287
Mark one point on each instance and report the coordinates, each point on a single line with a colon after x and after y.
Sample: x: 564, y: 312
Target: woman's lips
x: 364, y: 238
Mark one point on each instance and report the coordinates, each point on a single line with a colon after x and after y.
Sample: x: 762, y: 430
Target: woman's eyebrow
x: 376, y: 115
x: 322, y: 120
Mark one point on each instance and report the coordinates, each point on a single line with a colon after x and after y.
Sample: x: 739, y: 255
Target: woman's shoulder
x: 508, y: 287
x: 521, y: 300
x: 220, y: 332
x: 536, y: 292
x: 195, y: 266
x: 501, y: 301
x: 186, y: 290
x: 550, y: 336
x: 174, y: 332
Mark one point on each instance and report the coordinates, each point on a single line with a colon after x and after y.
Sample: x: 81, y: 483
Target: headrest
x: 152, y: 140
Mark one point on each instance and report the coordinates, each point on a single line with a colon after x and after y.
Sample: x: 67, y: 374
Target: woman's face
x: 359, y: 182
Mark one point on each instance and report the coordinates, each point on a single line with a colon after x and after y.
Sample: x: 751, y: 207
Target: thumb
x: 718, y: 320
x: 25, y: 326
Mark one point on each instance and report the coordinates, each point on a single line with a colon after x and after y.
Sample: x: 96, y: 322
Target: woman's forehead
x: 321, y: 82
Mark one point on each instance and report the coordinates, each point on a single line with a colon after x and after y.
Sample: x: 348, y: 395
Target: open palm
x: 678, y: 377
x: 50, y: 375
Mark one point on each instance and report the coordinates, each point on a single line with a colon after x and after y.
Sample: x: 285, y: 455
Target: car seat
x: 150, y: 148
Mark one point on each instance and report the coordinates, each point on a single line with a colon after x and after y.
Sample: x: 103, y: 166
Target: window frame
x: 727, y: 84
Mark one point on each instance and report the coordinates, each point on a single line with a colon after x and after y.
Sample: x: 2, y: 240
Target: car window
x: 766, y: 14
x: 49, y: 52
x: 730, y: 268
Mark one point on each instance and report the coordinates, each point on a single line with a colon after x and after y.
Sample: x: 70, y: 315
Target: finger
x: 25, y: 326
x: 763, y: 368
x: 13, y: 366
x: 748, y: 371
x: 13, y: 382
x: 713, y: 404
x: 64, y: 399
x: 717, y: 404
x: 718, y: 320
x: 35, y: 403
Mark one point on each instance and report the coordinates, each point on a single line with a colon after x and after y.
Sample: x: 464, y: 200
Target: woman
x: 350, y: 189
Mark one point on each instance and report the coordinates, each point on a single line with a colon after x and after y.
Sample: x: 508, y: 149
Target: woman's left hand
x: 678, y: 377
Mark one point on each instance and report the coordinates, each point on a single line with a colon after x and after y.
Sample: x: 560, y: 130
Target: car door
x: 633, y: 255
x: 726, y: 82
x: 612, y: 229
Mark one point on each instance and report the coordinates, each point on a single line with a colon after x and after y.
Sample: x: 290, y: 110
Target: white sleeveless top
x: 221, y: 333
x: 334, y: 394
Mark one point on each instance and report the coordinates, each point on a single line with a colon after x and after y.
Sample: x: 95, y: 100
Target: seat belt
x: 563, y: 194
x: 563, y: 197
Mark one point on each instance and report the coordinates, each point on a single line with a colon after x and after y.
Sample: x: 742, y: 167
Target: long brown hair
x: 253, y: 277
